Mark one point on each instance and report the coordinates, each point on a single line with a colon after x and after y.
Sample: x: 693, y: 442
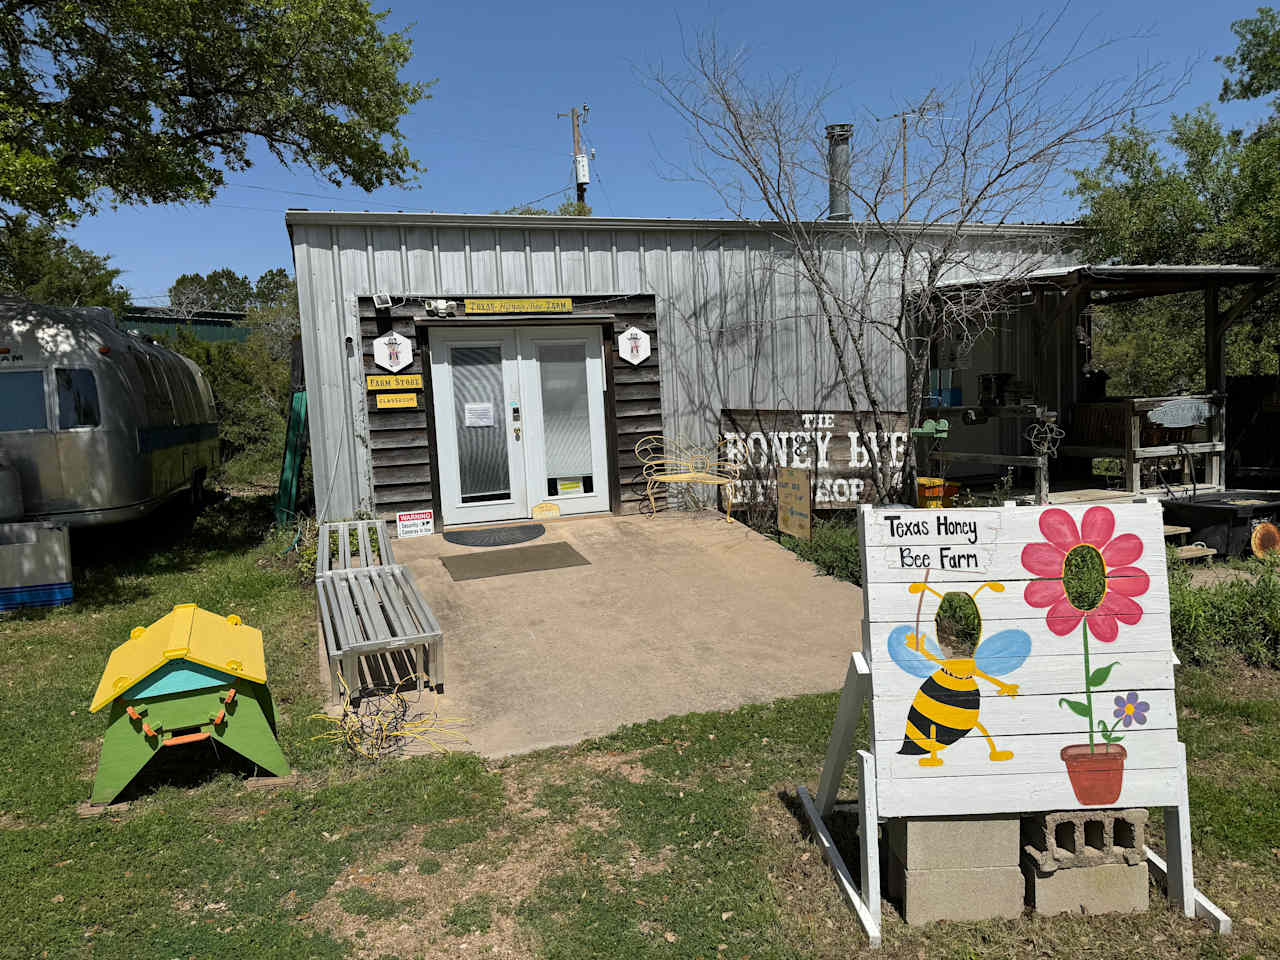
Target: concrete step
x: 1190, y: 552
x: 1173, y: 530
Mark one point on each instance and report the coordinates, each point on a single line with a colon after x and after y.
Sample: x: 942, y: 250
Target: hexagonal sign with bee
x: 393, y: 352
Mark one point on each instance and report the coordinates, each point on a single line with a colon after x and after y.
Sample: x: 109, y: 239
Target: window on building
x: 77, y: 399
x: 22, y: 400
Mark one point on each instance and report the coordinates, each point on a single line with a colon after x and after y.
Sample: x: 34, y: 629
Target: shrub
x: 833, y: 548
x: 1239, y: 616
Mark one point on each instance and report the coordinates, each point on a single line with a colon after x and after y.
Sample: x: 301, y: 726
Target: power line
x: 599, y: 179
x: 319, y: 196
x: 530, y: 203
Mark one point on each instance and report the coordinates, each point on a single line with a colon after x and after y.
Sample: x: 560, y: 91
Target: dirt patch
x: 1212, y: 574
x: 623, y: 765
x: 9, y: 822
x: 419, y: 929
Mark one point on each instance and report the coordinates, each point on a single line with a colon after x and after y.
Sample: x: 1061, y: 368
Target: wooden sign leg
x: 1177, y: 832
x: 865, y: 903
x: 869, y: 839
x: 840, y: 747
x: 1177, y: 873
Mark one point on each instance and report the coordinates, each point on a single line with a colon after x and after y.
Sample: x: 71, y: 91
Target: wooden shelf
x: 1190, y: 552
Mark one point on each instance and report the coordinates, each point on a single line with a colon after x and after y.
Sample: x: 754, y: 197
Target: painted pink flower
x: 1123, y: 581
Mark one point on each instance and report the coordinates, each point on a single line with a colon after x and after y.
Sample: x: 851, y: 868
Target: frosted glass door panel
x: 483, y: 468
x: 566, y: 413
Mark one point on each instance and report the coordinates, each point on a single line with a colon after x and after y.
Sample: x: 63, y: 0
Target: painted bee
x: 947, y: 705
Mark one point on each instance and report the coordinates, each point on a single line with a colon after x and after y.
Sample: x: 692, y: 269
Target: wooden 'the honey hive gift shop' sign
x: 1016, y: 660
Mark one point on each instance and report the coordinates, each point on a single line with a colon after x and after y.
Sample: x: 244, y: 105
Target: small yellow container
x: 936, y: 492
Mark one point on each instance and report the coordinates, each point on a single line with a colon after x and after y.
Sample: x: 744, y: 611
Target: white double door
x: 519, y: 421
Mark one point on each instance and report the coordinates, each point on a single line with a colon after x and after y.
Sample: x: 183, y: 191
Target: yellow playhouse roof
x: 187, y: 632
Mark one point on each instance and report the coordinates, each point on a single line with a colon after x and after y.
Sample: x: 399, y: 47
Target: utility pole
x: 925, y: 109
x: 581, y: 170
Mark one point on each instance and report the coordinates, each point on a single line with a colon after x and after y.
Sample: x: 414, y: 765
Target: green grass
x: 664, y: 839
x: 472, y: 914
x: 450, y: 836
x: 364, y: 903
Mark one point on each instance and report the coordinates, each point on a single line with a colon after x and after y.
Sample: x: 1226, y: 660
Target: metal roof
x: 1118, y: 276
x: 369, y: 218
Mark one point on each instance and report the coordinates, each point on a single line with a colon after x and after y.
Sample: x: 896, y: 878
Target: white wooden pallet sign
x: 1049, y: 693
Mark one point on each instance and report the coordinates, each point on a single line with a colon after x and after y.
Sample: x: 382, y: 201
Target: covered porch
x: 1026, y: 401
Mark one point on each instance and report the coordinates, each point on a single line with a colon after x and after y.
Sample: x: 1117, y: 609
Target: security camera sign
x: 393, y: 352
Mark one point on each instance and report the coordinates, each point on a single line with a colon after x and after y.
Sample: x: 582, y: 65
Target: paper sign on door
x: 478, y: 415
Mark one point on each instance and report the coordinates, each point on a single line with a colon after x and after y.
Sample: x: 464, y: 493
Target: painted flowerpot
x: 1096, y: 773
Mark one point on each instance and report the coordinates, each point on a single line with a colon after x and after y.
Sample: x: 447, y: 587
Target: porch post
x: 1215, y: 372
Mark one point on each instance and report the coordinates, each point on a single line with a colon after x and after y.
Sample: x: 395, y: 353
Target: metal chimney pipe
x: 838, y: 135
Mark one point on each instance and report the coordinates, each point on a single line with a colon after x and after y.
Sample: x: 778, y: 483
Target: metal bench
x: 368, y: 604
x: 367, y: 555
x: 669, y: 461
x: 374, y: 610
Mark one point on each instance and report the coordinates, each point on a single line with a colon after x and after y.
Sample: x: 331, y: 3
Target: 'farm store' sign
x: 828, y: 444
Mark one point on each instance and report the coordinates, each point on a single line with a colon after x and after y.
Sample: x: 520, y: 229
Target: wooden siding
x: 405, y: 475
x: 399, y: 445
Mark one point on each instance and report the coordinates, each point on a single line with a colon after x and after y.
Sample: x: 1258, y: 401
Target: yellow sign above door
x: 391, y: 401
x: 401, y: 381
x: 520, y: 305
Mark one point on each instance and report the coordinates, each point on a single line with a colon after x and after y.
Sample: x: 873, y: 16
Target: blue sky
x: 490, y: 138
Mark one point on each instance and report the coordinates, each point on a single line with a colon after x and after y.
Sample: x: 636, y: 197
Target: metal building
x: 730, y: 324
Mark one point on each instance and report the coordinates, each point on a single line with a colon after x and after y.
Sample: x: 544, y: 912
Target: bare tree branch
x: 986, y: 152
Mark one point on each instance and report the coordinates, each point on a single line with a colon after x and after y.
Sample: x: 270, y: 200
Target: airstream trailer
x: 101, y: 426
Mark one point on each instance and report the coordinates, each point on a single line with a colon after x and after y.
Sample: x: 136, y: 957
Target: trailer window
x: 77, y: 399
x: 22, y: 400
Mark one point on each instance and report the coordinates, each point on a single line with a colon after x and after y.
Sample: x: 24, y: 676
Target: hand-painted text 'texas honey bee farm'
x: 1020, y: 659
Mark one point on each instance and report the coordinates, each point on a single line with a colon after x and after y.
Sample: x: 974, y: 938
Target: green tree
x: 39, y: 264
x: 154, y: 101
x: 225, y: 289
x: 251, y: 390
x: 570, y: 208
x: 1201, y: 194
x: 1255, y: 66
x: 250, y: 380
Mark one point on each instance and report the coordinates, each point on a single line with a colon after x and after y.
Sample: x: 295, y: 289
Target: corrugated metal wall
x: 739, y: 328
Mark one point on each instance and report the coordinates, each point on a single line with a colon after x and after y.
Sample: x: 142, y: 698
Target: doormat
x: 496, y: 536
x: 499, y: 563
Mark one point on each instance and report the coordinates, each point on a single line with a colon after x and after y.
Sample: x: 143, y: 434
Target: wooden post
x: 1215, y: 371
x: 1132, y: 465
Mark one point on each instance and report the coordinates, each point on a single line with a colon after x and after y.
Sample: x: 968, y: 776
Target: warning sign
x: 415, y: 523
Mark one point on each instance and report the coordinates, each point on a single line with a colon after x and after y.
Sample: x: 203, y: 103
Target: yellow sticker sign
x: 392, y: 401
x: 401, y: 381
x: 568, y: 486
x: 520, y: 305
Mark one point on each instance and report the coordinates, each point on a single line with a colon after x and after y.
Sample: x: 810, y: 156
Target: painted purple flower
x: 1130, y: 708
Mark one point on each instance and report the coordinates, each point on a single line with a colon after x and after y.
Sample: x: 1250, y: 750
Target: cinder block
x: 1072, y: 838
x: 953, y: 843
x: 978, y: 893
x: 1100, y: 888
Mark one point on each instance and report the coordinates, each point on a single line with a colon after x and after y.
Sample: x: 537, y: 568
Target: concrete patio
x: 679, y: 613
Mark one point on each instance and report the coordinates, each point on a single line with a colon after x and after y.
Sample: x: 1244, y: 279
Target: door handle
x: 517, y: 430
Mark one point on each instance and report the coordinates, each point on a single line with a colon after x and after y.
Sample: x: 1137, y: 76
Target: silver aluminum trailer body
x: 102, y: 426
